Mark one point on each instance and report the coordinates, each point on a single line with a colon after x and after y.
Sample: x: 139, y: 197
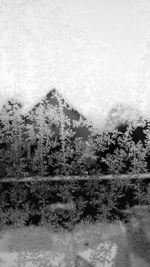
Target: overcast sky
x: 95, y: 52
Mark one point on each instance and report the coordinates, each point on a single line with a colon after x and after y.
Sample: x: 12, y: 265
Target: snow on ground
x: 97, y: 244
x: 45, y: 258
x: 35, y: 246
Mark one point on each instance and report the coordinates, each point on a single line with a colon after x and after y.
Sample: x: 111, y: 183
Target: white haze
x: 95, y: 52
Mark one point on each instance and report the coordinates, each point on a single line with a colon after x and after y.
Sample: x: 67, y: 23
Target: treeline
x: 45, y: 143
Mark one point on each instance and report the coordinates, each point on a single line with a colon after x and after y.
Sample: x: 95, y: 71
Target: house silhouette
x: 53, y: 106
x: 54, y: 99
x: 62, y: 121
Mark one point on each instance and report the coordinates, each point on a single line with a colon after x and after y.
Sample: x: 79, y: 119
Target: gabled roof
x: 53, y: 98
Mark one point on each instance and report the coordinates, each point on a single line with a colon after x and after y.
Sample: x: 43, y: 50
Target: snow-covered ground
x: 97, y: 244
x: 35, y: 246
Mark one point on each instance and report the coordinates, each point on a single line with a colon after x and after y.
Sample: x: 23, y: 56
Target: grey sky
x: 90, y: 50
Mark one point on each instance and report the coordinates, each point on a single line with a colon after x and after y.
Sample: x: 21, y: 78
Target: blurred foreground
x: 99, y: 244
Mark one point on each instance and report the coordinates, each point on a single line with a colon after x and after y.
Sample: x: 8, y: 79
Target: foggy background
x: 95, y: 52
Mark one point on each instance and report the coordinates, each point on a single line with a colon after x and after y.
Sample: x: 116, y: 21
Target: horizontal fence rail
x: 140, y: 176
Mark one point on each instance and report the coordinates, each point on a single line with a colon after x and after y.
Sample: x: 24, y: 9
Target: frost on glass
x: 48, y: 143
